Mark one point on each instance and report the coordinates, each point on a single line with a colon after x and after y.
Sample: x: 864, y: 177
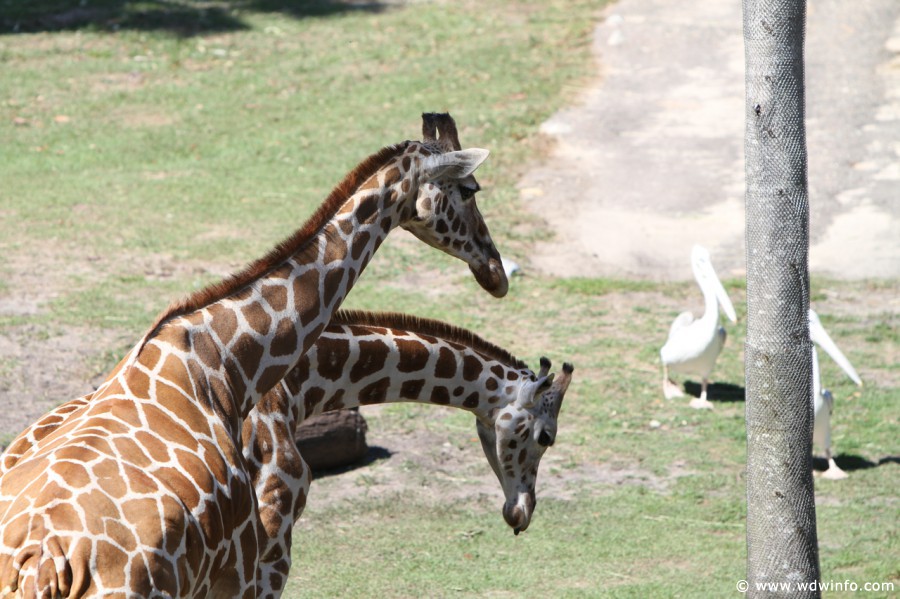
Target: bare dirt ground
x: 440, y: 465
x: 42, y: 367
x: 649, y: 159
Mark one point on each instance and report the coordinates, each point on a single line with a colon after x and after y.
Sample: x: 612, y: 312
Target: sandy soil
x: 649, y: 160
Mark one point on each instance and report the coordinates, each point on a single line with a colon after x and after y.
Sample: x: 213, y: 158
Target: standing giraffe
x: 143, y: 491
x: 364, y: 358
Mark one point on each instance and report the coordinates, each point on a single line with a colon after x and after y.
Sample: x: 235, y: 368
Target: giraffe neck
x: 238, y: 339
x: 355, y: 364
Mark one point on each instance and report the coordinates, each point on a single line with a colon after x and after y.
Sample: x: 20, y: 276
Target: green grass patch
x: 572, y: 549
x: 215, y: 147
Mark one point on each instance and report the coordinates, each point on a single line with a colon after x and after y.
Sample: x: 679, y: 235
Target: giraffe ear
x: 454, y: 165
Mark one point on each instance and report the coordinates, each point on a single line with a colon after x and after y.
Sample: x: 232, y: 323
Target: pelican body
x: 694, y: 344
x: 823, y: 400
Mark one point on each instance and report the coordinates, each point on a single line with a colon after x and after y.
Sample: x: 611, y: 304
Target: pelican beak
x: 723, y: 298
x: 819, y: 335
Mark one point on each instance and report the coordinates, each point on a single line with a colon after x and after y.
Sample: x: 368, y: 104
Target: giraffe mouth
x: 492, y: 277
x: 518, y: 514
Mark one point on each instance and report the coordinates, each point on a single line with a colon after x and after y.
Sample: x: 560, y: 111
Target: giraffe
x: 369, y: 358
x: 143, y: 490
x: 424, y: 361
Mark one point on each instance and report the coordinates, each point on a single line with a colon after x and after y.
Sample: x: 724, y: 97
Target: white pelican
x: 823, y: 401
x: 694, y: 345
x: 510, y: 267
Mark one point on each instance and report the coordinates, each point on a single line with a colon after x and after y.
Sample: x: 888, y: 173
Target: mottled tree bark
x: 781, y: 519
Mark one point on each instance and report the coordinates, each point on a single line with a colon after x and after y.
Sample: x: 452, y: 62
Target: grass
x: 148, y: 150
x: 461, y: 552
x: 138, y: 130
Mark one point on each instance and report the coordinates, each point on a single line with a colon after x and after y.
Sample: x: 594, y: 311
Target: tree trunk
x: 781, y: 518
x: 333, y: 439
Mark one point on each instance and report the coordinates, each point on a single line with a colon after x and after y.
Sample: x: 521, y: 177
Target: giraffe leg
x: 281, y: 504
x: 702, y: 403
x: 281, y: 479
x: 670, y: 389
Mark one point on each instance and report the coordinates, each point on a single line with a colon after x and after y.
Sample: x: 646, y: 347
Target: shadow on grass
x: 849, y: 463
x: 717, y: 392
x: 183, y: 18
x: 374, y: 454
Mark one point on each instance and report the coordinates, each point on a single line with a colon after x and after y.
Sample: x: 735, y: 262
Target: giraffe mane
x: 427, y: 326
x: 288, y: 247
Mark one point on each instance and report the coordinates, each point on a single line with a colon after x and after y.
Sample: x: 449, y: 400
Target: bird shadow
x: 372, y: 455
x: 717, y: 392
x: 182, y: 18
x: 850, y: 462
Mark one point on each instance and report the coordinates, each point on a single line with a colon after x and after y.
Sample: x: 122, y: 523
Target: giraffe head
x: 515, y: 439
x: 445, y: 215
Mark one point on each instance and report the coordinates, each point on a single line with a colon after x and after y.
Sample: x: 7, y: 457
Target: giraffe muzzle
x: 492, y: 277
x: 518, y: 514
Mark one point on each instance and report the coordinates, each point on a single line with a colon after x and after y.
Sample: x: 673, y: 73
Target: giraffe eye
x: 545, y: 440
x: 468, y: 192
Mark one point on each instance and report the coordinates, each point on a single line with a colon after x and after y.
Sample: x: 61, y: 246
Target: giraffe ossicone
x: 143, y: 490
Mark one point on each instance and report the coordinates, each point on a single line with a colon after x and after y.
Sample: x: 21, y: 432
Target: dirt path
x: 650, y: 161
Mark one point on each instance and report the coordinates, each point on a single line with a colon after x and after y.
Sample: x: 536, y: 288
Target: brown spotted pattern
x: 157, y: 497
x: 419, y: 361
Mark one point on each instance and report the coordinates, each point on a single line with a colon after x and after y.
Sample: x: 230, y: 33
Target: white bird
x: 693, y: 345
x: 823, y: 401
x: 510, y: 267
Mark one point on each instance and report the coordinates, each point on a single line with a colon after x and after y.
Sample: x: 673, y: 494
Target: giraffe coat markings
x: 375, y: 392
x: 413, y: 355
x: 412, y: 388
x: 371, y: 360
x: 256, y: 317
x: 334, y: 356
x: 445, y: 367
x: 286, y: 340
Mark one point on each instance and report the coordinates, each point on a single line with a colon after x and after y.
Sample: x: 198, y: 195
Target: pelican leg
x: 670, y: 389
x: 834, y: 471
x: 823, y: 430
x: 701, y: 403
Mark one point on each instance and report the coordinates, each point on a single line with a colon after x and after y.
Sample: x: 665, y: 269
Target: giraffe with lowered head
x: 143, y: 490
x: 371, y: 358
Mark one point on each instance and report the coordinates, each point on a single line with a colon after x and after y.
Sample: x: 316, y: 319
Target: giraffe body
x: 423, y: 361
x: 143, y: 490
